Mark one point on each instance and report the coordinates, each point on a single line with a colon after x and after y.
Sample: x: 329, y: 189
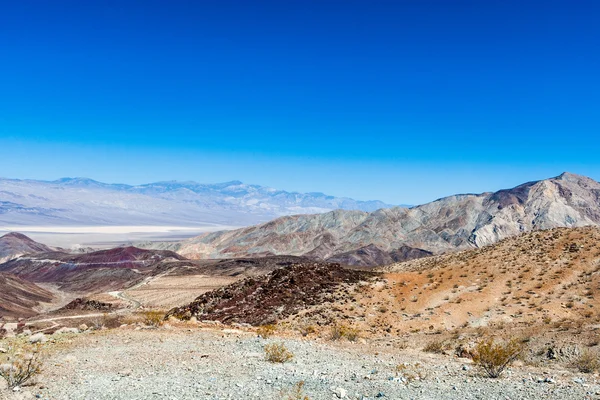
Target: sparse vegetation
x: 20, y: 364
x: 436, y: 346
x: 153, y: 318
x: 341, y: 331
x: 265, y: 331
x: 296, y: 392
x: 587, y: 362
x: 277, y: 353
x: 306, y: 330
x: 411, y: 372
x: 493, y: 358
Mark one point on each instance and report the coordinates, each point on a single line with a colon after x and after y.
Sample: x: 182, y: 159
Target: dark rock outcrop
x: 274, y: 296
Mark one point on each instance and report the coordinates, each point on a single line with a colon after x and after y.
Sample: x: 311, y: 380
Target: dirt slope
x: 18, y: 298
x: 548, y: 277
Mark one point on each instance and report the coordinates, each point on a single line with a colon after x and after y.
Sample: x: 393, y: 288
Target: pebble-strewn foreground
x: 181, y: 363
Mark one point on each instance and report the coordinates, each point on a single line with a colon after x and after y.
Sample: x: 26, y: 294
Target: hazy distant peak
x: 85, y: 202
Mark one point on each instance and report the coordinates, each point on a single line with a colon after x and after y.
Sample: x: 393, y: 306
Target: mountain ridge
x: 86, y: 202
x: 451, y: 223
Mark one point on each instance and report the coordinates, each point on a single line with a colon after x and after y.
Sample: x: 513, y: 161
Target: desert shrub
x: 411, y: 372
x: 277, y: 353
x: 105, y: 321
x: 21, y: 363
x: 266, y: 331
x: 153, y: 318
x: 296, y: 392
x: 306, y: 330
x: 436, y: 346
x: 341, y: 331
x: 494, y: 358
x: 587, y: 362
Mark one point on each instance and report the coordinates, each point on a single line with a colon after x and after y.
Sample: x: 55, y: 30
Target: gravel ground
x: 181, y: 363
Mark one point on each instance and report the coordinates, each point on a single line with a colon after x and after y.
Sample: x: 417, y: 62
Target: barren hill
x: 544, y: 277
x: 13, y: 245
x: 549, y: 277
x: 449, y: 224
x: 18, y: 297
x: 92, y: 272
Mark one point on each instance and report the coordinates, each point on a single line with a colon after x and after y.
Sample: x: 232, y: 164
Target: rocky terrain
x: 182, y: 285
x: 207, y: 363
x: 445, y: 225
x: 92, y: 272
x: 13, y: 245
x: 406, y: 330
x: 20, y: 298
x: 268, y: 298
x: 539, y: 281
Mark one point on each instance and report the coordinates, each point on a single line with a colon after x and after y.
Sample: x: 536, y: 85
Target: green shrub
x: 495, y: 358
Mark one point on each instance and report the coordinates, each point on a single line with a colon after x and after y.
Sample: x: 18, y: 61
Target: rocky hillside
x: 19, y: 298
x: 547, y: 278
x: 93, y: 272
x: 268, y: 298
x: 13, y: 245
x: 449, y: 224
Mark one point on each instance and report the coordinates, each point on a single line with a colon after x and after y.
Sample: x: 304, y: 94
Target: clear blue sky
x: 403, y: 101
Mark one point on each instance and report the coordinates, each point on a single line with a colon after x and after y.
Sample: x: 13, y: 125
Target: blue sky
x: 403, y: 101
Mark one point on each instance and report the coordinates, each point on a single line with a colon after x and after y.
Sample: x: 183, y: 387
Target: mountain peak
x: 77, y: 181
x: 569, y: 176
x: 16, y: 235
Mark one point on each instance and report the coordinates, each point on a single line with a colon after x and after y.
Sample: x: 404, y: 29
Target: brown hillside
x: 546, y: 277
x: 18, y: 298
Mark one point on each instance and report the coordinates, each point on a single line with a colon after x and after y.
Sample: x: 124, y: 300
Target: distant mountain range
x: 85, y: 202
x: 396, y: 234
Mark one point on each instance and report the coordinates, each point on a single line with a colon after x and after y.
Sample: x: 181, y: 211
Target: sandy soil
x: 172, y: 291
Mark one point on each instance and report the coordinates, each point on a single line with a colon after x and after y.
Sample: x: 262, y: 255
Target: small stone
x: 66, y: 330
x: 83, y: 327
x: 38, y: 338
x: 340, y: 393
